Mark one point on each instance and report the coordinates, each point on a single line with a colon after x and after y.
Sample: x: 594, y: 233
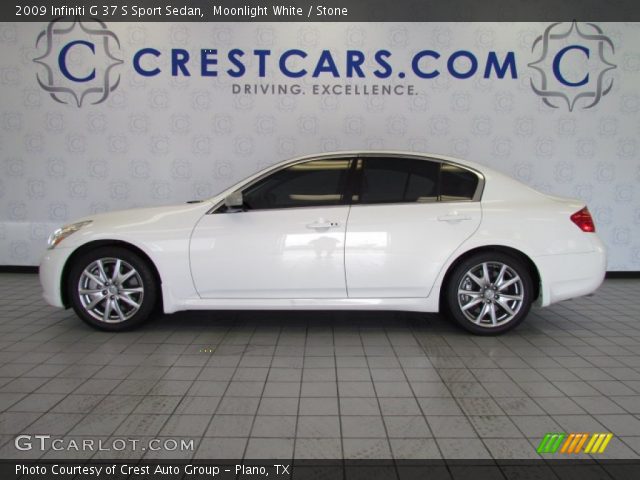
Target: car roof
x: 424, y: 155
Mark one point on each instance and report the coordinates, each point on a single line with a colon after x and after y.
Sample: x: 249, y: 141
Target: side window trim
x: 216, y: 209
x: 477, y: 196
x: 353, y: 184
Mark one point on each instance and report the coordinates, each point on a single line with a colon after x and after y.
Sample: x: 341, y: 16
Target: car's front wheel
x: 489, y: 293
x: 111, y: 288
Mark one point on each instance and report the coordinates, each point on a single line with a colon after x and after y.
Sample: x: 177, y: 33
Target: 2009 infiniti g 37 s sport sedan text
x: 352, y: 230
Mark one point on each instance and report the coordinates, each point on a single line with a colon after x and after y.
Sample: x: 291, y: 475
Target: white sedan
x: 347, y: 230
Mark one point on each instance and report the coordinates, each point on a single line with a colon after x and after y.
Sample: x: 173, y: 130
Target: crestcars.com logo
x: 78, y: 58
x: 572, y: 65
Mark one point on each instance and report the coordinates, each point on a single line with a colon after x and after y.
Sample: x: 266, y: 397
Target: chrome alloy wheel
x: 490, y: 294
x: 110, y: 290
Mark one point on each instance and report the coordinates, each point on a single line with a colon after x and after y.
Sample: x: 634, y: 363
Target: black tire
x: 139, y: 288
x: 490, y: 302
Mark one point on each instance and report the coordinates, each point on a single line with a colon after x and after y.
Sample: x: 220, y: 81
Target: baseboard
x: 623, y: 274
x: 18, y: 269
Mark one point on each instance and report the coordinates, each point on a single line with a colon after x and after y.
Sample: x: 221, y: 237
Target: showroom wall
x: 556, y: 106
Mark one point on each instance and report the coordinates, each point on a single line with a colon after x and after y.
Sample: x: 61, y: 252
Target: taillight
x: 582, y: 218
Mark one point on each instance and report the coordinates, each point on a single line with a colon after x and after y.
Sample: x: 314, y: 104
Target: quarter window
x: 457, y: 184
x: 310, y: 184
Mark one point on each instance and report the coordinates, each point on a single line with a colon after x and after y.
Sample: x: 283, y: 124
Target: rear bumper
x: 572, y: 275
x: 51, y: 267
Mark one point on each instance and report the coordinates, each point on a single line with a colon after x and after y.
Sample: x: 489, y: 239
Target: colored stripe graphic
x: 598, y: 443
x: 551, y: 442
x: 573, y: 443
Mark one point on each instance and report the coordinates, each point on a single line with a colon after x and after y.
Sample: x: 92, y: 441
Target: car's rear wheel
x: 489, y: 293
x: 111, y: 288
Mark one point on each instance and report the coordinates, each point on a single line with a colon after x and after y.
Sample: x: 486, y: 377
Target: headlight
x: 60, y: 234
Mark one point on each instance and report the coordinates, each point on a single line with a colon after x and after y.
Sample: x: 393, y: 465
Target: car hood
x: 128, y: 224
x: 145, y: 214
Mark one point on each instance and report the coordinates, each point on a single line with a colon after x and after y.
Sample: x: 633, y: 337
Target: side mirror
x: 234, y: 201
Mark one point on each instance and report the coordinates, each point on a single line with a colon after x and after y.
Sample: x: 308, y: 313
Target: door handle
x: 322, y: 224
x: 453, y: 218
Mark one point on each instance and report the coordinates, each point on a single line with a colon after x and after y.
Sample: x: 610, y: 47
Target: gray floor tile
x: 318, y: 448
x: 208, y: 388
x: 578, y: 423
x: 451, y: 426
x: 360, y: 406
x: 519, y: 406
x: 612, y: 387
x: 439, y: 406
x: 353, y: 374
x: 318, y: 427
x: 60, y: 385
x: 238, y: 405
x: 244, y: 389
x: 274, y: 426
x: 414, y: 448
x: 559, y: 406
x: 142, y: 424
x: 97, y: 385
x: 78, y: 403
x: 495, y: 427
x: 319, y: 389
x: 540, y: 389
x: 467, y: 390
x: 535, y: 426
x: 511, y: 448
x: 54, y: 423
x: 600, y: 405
x: 22, y: 385
x: 282, y: 389
x: 393, y: 389
x: 220, y: 448
x: 230, y: 426
x: 185, y: 425
x: 463, y: 449
x: 480, y: 406
x: 366, y: 448
x: 104, y: 424
x: 158, y: 404
x: 407, y: 427
x: 37, y: 402
x: 576, y: 389
x: 631, y: 404
x: 198, y: 405
x: 363, y: 426
x: 621, y: 425
x: 279, y: 448
x: 503, y: 389
x: 278, y: 406
x: 171, y: 387
x: 399, y: 406
x: 319, y: 406
x: 430, y: 389
x: 16, y: 422
x: 134, y: 387
x: 356, y: 389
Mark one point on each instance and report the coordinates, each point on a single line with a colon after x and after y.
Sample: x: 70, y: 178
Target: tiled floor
x: 320, y: 385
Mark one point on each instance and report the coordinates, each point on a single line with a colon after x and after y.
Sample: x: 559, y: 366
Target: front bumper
x: 51, y: 267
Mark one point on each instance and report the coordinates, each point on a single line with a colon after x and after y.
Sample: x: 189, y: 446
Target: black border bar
x: 339, y: 469
x: 308, y: 10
